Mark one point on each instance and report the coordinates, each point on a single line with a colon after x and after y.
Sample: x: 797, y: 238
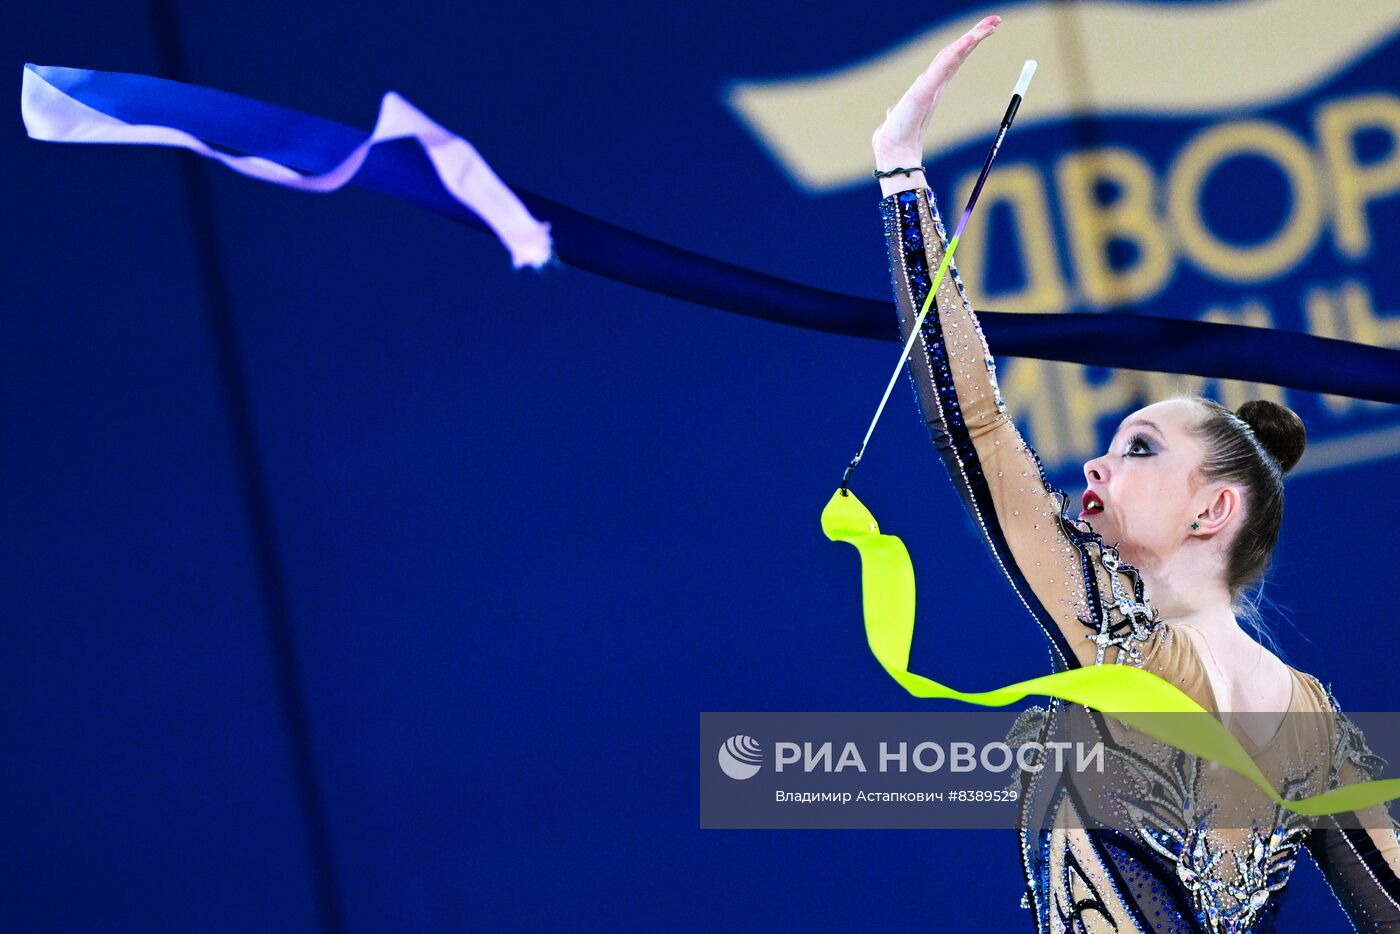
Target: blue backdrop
x: 354, y: 580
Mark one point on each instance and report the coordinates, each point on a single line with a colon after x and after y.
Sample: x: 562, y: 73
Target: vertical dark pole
x: 272, y: 583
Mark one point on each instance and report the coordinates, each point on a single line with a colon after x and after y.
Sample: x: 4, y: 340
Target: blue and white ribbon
x: 53, y: 110
x: 304, y: 151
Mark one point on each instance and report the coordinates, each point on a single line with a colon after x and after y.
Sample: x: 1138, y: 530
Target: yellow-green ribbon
x: 1131, y: 695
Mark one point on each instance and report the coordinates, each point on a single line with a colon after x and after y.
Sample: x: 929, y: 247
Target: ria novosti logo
x: 740, y: 756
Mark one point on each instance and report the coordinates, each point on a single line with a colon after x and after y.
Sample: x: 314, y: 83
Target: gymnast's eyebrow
x: 1140, y: 421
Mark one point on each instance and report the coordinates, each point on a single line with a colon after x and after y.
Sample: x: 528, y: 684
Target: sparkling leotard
x: 1162, y: 843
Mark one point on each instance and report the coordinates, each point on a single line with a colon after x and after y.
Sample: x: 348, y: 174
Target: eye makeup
x: 1136, y: 440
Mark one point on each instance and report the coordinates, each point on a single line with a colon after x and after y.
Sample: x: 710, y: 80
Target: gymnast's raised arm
x: 1056, y: 568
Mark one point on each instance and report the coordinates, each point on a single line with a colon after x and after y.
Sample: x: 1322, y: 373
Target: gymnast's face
x: 1144, y: 492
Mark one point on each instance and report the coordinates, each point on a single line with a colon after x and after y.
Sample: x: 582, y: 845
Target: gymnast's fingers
x: 907, y: 120
x: 929, y: 85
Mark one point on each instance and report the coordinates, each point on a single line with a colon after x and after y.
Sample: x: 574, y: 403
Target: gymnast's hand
x: 899, y: 141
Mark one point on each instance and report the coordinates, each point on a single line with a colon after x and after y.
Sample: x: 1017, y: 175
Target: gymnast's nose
x: 1096, y: 471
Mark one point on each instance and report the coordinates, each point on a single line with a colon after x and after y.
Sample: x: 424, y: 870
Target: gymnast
x: 1191, y: 496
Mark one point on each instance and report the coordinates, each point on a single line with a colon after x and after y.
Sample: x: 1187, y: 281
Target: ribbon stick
x: 1022, y: 83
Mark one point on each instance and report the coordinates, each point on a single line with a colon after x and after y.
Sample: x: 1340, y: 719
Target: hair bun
x: 1278, y: 428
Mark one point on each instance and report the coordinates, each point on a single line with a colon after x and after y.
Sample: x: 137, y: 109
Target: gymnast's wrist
x: 911, y: 178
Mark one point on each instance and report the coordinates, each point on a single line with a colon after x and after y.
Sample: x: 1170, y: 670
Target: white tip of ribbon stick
x: 1027, y: 71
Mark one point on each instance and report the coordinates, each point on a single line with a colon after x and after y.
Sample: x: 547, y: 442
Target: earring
x: 1195, y: 526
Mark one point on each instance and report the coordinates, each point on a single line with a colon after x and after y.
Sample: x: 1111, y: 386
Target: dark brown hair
x: 1254, y: 447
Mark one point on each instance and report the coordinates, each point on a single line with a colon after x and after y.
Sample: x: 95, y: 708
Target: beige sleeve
x: 1069, y: 582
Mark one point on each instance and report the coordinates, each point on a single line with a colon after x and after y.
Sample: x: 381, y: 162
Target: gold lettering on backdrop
x: 1160, y: 213
x: 1213, y: 147
x: 1026, y: 386
x: 1356, y: 185
x: 1020, y: 188
x: 1086, y: 402
x: 1362, y: 323
x: 1130, y: 216
x: 1167, y: 60
x: 1052, y: 393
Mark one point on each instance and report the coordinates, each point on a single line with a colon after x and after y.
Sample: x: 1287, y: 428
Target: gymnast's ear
x: 1225, y: 503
